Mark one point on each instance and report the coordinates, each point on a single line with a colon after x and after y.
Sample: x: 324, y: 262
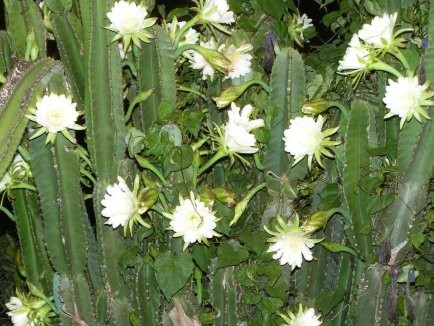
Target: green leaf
x: 329, y: 299
x: 417, y: 239
x: 273, y: 8
x: 173, y: 272
x: 254, y: 240
x: 337, y: 247
x: 202, y: 255
x: 229, y: 254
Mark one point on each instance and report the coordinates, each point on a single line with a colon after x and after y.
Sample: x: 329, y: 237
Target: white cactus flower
x: 237, y: 136
x: 18, y: 313
x: 55, y: 113
x: 305, y: 137
x: 379, y: 33
x: 304, y: 317
x: 356, y: 56
x: 240, y: 60
x: 128, y: 20
x: 190, y: 37
x: 290, y: 243
x: 214, y: 12
x: 405, y: 98
x: 120, y: 204
x: 193, y: 221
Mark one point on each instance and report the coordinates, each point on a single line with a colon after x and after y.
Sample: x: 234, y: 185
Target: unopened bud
x: 207, y: 196
x: 230, y: 94
x: 316, y: 106
x: 225, y: 196
x: 147, y: 197
x: 317, y: 221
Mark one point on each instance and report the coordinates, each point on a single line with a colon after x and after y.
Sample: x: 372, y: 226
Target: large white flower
x: 18, y: 313
x: 127, y: 17
x: 199, y: 62
x: 193, y: 221
x: 128, y: 21
x: 120, y: 204
x: 290, y: 243
x: 239, y: 59
x: 237, y: 136
x: 304, y: 137
x: 405, y: 98
x: 302, y: 318
x: 55, y: 113
x: 356, y: 56
x: 215, y: 12
x: 379, y: 33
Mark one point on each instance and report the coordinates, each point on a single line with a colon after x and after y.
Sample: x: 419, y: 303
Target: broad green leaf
x: 173, y: 272
x: 229, y: 254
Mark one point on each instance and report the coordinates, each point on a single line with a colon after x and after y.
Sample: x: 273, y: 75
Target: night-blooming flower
x: 18, y: 313
x: 405, y: 98
x: 304, y: 317
x: 298, y: 24
x: 356, y: 56
x: 239, y: 60
x: 304, y: 137
x: 193, y: 220
x: 214, y: 13
x: 121, y: 205
x: 379, y: 33
x: 129, y: 21
x: 290, y: 243
x: 237, y: 136
x: 55, y: 113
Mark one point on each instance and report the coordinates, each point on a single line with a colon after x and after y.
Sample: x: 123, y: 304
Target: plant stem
x: 219, y: 155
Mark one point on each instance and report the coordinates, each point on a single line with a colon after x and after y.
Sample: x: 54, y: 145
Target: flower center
x: 55, y: 118
x: 195, y: 220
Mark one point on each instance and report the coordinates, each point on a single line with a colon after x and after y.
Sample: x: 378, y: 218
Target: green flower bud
x: 225, y: 196
x: 230, y: 94
x: 316, y: 106
x: 317, y: 221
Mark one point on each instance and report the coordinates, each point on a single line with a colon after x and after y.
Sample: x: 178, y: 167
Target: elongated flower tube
x: 304, y: 317
x: 55, y: 113
x: 405, y: 98
x: 290, y: 243
x: 121, y: 205
x: 128, y: 20
x: 206, y: 58
x: 214, y: 13
x: 305, y: 137
x: 193, y: 221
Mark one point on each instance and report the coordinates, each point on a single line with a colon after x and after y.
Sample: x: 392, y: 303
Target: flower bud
x: 225, y: 196
x: 317, y: 221
x: 316, y: 106
x: 207, y: 196
x: 230, y: 94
